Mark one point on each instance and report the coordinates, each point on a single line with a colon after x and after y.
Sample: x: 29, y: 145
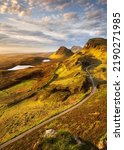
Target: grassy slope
x: 87, y: 121
x: 60, y: 93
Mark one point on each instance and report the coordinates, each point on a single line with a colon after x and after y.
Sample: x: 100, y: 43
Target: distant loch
x: 19, y: 67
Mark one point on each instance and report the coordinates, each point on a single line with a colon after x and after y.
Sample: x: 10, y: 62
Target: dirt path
x: 54, y: 117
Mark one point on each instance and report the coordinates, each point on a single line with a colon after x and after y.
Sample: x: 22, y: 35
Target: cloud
x: 2, y: 37
x: 24, y: 7
x: 102, y: 1
x: 10, y: 34
x: 45, y: 26
x: 70, y: 16
x: 82, y: 2
x: 46, y: 20
x: 49, y: 23
x: 93, y: 14
x: 14, y: 7
x: 50, y: 4
x: 16, y: 36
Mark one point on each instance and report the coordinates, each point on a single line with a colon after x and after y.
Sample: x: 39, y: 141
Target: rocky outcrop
x: 50, y: 133
x: 95, y: 42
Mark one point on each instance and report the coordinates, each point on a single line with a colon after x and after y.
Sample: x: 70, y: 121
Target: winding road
x: 54, y: 117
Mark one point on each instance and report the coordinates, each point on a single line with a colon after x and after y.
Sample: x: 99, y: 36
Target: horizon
x: 29, y: 26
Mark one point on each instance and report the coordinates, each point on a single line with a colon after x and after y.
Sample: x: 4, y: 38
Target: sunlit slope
x: 95, y: 52
x: 97, y: 48
x: 62, y: 53
x: 36, y: 94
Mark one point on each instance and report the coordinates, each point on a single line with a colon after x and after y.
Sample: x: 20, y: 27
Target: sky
x: 45, y: 25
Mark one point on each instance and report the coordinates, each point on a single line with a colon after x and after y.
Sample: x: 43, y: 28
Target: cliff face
x: 96, y: 48
x: 96, y: 42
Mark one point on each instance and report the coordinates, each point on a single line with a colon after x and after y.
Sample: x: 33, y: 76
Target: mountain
x: 96, y: 48
x: 95, y: 52
x: 62, y: 52
x: 75, y: 49
x: 96, y: 43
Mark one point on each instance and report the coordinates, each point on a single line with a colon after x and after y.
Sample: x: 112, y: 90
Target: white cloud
x: 46, y: 20
x: 3, y: 9
x: 50, y: 4
x: 14, y: 7
x: 15, y: 35
x: 24, y: 7
x: 70, y: 16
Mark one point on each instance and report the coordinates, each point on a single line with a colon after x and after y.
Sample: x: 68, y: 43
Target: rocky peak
x: 64, y: 51
x: 96, y: 42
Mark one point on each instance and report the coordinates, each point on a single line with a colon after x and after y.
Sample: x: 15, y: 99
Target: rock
x: 50, y: 133
x: 78, y: 140
x: 95, y: 42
